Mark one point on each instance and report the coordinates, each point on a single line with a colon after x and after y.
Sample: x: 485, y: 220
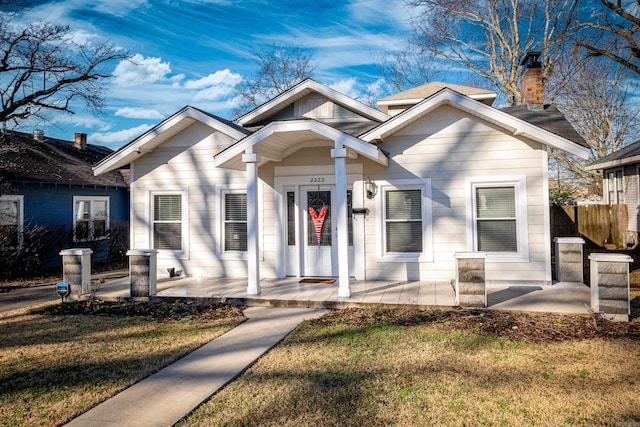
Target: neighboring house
x: 620, y: 171
x: 48, y: 182
x: 315, y: 183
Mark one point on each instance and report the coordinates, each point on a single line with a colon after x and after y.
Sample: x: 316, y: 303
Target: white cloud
x: 118, y: 138
x: 221, y: 77
x: 138, y: 113
x: 138, y: 70
x: 347, y: 87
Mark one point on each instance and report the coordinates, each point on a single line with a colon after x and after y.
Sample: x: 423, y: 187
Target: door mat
x: 313, y: 280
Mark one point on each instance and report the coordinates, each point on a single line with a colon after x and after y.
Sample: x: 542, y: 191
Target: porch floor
x: 560, y: 297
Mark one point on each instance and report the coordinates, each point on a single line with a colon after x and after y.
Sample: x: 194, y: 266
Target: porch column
x: 340, y: 154
x: 251, y: 160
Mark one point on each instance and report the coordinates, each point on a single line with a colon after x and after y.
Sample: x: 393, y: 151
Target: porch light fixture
x: 370, y: 188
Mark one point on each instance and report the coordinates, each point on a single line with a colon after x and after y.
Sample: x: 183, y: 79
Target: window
x: 11, y: 221
x: 235, y: 222
x: 167, y: 222
x: 615, y: 187
x: 91, y: 218
x: 403, y: 220
x: 497, y: 218
x: 291, y: 218
x: 496, y: 225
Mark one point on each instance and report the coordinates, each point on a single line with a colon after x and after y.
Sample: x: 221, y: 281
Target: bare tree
x: 43, y: 69
x: 613, y: 31
x: 408, y: 68
x: 597, y: 100
x: 279, y: 68
x: 491, y: 37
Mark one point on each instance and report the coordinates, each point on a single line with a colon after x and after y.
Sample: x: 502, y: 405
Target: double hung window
x: 91, y: 218
x: 11, y: 219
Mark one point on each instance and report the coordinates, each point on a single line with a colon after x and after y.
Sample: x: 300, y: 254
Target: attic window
x: 316, y: 107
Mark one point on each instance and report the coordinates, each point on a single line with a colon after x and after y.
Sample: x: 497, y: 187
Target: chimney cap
x: 532, y: 59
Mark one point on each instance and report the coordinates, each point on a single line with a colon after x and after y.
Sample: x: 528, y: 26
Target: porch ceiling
x: 278, y: 140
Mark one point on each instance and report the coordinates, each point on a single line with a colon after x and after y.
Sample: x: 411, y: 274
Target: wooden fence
x: 600, y: 224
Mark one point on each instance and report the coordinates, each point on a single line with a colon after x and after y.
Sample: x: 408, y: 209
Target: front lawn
x: 412, y: 368
x: 58, y: 361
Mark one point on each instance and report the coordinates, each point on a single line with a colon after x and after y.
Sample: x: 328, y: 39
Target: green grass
x: 342, y: 374
x: 54, y: 367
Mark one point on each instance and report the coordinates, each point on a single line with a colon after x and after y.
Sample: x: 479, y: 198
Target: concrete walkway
x: 167, y: 396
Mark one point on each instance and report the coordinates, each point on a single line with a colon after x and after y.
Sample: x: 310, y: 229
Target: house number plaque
x: 316, y: 179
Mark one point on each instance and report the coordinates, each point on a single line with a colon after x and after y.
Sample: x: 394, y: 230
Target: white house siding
x: 185, y: 163
x: 447, y: 146
x: 631, y: 195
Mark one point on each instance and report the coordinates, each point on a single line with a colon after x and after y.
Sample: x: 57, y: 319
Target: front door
x: 320, y: 249
x: 320, y: 245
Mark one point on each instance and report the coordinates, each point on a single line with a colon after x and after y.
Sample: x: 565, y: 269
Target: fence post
x: 470, y: 279
x: 569, y: 259
x: 142, y: 273
x: 610, y: 285
x: 76, y: 271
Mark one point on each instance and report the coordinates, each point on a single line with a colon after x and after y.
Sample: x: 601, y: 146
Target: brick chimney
x: 531, y: 81
x: 80, y: 141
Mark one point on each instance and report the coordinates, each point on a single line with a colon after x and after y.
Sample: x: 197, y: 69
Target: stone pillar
x: 76, y: 271
x: 610, y: 285
x: 569, y: 259
x: 142, y: 273
x: 470, y: 279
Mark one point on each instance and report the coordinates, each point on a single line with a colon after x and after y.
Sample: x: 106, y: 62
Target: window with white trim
x: 497, y: 213
x: 168, y: 223
x: 405, y: 220
x: 235, y: 221
x: 615, y: 187
x: 91, y: 218
x: 11, y: 221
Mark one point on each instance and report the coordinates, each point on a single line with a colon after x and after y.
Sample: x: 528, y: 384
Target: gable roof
x: 165, y: 130
x: 53, y: 160
x: 279, y: 139
x: 417, y: 94
x: 301, y: 90
x: 549, y: 118
x: 624, y: 156
x: 508, y: 122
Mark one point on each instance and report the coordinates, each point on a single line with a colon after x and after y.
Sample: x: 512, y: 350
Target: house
x: 315, y: 183
x: 620, y: 171
x: 48, y: 183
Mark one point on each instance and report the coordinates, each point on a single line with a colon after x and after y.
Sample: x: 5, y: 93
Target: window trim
x: 519, y: 183
x: 92, y: 200
x: 615, y: 182
x: 20, y: 199
x: 165, y: 253
x: 424, y: 185
x: 222, y: 191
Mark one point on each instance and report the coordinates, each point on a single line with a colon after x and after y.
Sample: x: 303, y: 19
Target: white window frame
x: 166, y: 253
x: 222, y: 191
x: 91, y: 200
x: 424, y: 185
x: 615, y: 185
x: 20, y: 200
x: 519, y: 183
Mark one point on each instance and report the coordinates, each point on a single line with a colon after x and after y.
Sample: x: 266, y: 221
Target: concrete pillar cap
x: 568, y: 240
x: 607, y: 257
x: 143, y: 252
x: 459, y: 255
x: 76, y: 251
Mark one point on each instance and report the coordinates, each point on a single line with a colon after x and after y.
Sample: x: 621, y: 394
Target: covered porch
x: 569, y: 298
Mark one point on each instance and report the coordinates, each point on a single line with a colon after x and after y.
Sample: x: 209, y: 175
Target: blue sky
x: 194, y: 52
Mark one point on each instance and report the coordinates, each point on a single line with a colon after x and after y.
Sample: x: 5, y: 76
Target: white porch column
x: 251, y: 160
x: 340, y: 154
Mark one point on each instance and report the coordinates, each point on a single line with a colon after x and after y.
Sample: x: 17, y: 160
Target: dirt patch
x: 153, y: 310
x: 514, y: 326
